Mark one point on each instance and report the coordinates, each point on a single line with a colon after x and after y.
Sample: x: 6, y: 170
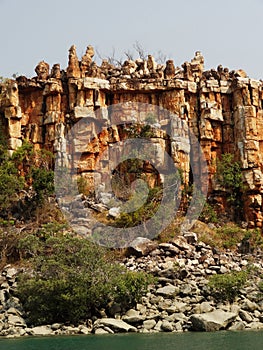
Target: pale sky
x: 227, y: 32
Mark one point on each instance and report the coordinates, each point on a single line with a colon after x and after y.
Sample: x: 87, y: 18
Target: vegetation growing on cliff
x: 229, y: 177
x: 26, y: 178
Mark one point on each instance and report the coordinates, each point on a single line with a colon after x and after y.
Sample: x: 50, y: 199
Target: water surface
x: 160, y: 341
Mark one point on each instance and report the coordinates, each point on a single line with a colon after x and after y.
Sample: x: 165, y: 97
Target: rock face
x: 223, y: 109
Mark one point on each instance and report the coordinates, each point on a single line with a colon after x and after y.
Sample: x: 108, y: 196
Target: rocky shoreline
x: 180, y: 300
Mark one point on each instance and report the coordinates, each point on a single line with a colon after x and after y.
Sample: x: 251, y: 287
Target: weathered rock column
x: 248, y: 137
x: 9, y: 105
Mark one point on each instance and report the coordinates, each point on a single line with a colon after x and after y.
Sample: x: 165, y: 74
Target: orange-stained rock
x: 222, y: 108
x: 42, y: 70
x: 86, y: 61
x: 169, y: 71
x: 73, y: 70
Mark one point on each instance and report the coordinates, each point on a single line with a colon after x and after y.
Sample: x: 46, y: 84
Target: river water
x: 158, y: 341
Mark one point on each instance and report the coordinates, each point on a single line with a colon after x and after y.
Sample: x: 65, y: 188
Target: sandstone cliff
x: 223, y: 109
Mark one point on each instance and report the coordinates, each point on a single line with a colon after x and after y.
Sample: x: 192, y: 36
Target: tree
x: 72, y: 279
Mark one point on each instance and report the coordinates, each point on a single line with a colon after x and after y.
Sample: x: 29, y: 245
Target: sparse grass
x: 204, y: 232
x: 225, y: 237
x: 229, y: 236
x: 171, y: 231
x: 255, y: 238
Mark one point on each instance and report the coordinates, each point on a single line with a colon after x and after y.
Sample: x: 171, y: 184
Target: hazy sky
x: 227, y: 32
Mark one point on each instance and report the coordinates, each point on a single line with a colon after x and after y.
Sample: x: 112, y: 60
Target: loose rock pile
x: 180, y: 301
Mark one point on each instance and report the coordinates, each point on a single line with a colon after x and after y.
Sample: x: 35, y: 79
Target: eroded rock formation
x: 223, y: 109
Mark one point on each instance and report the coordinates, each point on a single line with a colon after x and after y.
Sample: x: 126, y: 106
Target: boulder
x: 167, y: 291
x: 41, y: 330
x: 179, y: 316
x: 56, y: 326
x: 191, y: 237
x: 14, y: 311
x: 11, y: 272
x: 206, y: 307
x: 158, y: 326
x: 239, y: 326
x: 114, y: 212
x: 141, y: 246
x: 132, y: 316
x: 84, y: 330
x: 2, y: 296
x: 212, y: 321
x: 255, y: 325
x: 250, y: 305
x: 245, y: 316
x: 115, y: 325
x: 14, y: 320
x: 100, y: 331
x: 149, y: 324
x: 177, y: 306
x: 169, y: 247
x: 181, y: 243
x: 166, y: 326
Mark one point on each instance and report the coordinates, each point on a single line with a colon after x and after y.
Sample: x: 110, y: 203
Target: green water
x: 160, y: 341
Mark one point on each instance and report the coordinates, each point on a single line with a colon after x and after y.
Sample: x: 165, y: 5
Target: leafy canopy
x: 73, y: 279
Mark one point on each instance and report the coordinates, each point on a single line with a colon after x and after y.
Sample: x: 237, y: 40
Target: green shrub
x: 17, y: 172
x: 10, y: 185
x: 9, y: 240
x: 141, y: 130
x: 37, y: 166
x: 151, y: 118
x: 229, y: 177
x: 227, y: 287
x: 208, y: 214
x: 24, y: 155
x: 43, y: 182
x: 144, y: 212
x: 53, y: 228
x: 131, y: 287
x: 73, y: 279
x: 84, y: 186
